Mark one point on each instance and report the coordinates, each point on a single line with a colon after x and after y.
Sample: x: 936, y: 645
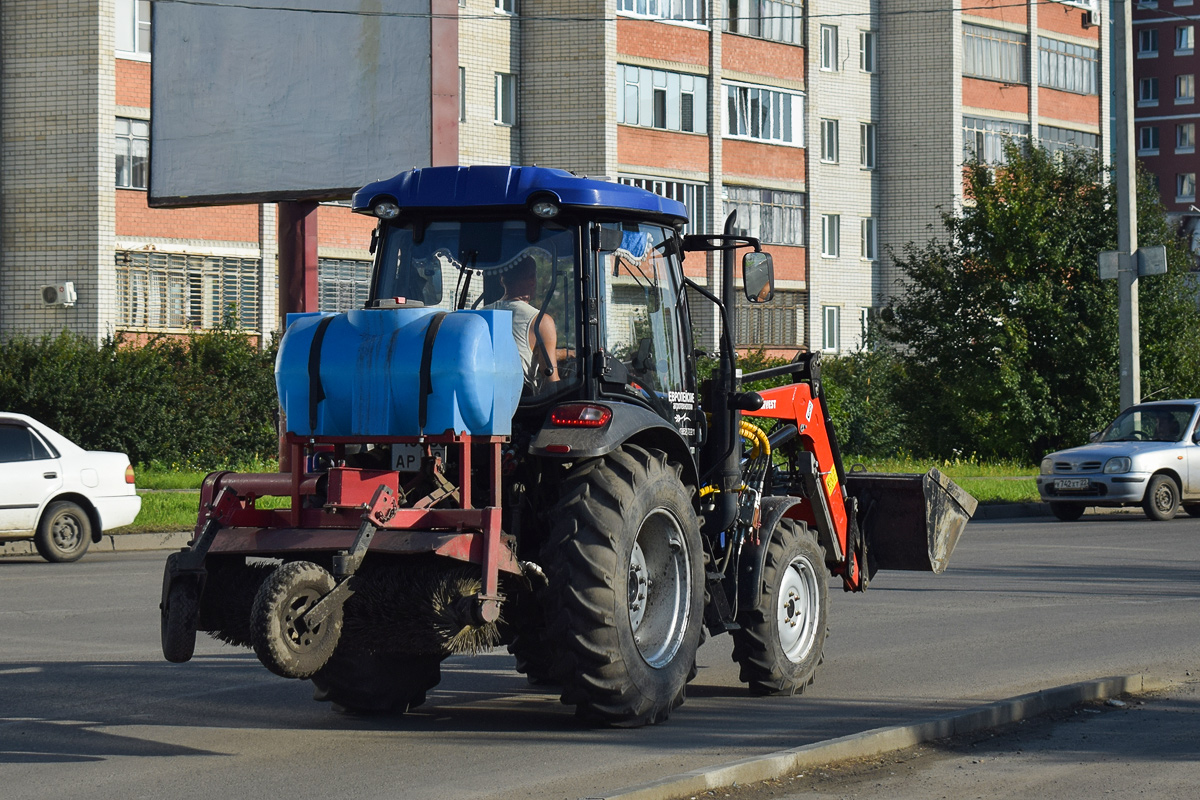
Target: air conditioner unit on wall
x: 59, y: 294
x: 1091, y: 19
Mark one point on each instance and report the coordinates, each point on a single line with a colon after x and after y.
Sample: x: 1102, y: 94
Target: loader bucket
x: 910, y: 522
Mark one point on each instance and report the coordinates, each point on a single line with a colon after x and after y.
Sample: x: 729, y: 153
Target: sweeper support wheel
x: 286, y: 642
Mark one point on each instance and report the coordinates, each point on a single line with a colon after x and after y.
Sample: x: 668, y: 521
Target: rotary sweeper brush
x: 509, y: 444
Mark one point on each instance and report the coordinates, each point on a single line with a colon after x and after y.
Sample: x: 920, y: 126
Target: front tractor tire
x: 781, y: 638
x: 281, y: 639
x: 626, y: 591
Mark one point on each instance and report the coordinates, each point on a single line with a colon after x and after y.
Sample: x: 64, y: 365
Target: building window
x: 506, y: 99
x: 1068, y: 67
x: 1185, y: 137
x: 831, y: 319
x: 829, y: 48
x: 778, y: 20
x: 671, y: 101
x: 777, y: 323
x: 1185, y: 187
x: 994, y: 54
x: 1058, y: 139
x: 133, y: 26
x: 1148, y: 92
x: 831, y: 235
x: 177, y: 292
x: 462, y: 94
x: 692, y: 11
x: 506, y: 6
x: 771, y: 216
x: 766, y: 115
x: 692, y: 195
x: 1148, y: 43
x: 1185, y: 89
x: 984, y: 138
x: 133, y: 153
x: 1185, y: 40
x: 870, y: 245
x: 864, y: 326
x: 829, y: 141
x: 1148, y: 140
x: 866, y: 145
x: 868, y: 42
x: 342, y: 284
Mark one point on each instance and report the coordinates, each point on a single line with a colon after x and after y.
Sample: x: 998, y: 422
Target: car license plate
x: 1071, y: 484
x: 407, y: 457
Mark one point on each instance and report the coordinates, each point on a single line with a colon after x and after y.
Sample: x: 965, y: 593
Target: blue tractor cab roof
x: 498, y: 187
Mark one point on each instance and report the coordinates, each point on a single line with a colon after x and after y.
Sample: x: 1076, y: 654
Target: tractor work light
x: 581, y: 415
x: 386, y: 210
x: 544, y: 209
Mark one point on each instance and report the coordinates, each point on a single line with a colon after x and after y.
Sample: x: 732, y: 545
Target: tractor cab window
x: 523, y: 266
x: 641, y: 319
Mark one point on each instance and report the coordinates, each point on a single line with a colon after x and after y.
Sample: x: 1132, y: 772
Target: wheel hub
x: 798, y: 612
x: 659, y: 588
x: 66, y: 532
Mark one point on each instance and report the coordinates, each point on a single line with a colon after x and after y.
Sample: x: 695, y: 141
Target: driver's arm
x: 548, y: 333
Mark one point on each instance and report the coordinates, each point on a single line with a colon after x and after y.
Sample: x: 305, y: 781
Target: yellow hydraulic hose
x: 762, y: 446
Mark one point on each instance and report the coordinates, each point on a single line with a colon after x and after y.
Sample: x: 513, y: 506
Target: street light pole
x: 1126, y: 180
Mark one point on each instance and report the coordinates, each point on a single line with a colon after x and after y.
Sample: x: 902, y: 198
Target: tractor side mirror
x: 758, y: 277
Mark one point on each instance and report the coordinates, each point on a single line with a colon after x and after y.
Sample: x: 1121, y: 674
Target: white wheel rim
x: 660, y: 588
x: 797, y: 611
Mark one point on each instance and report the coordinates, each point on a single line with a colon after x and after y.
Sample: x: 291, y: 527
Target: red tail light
x: 581, y: 415
x: 129, y: 474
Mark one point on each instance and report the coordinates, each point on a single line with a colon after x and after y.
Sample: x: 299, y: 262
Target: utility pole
x: 1126, y: 179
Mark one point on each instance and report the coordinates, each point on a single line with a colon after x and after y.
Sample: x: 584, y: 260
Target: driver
x: 1168, y: 429
x: 538, y: 358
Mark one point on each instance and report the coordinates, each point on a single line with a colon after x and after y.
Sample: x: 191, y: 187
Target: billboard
x: 277, y: 100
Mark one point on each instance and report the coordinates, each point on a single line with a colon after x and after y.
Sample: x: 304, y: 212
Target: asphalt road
x: 89, y: 709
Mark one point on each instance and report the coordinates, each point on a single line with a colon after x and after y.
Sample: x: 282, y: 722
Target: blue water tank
x: 367, y: 364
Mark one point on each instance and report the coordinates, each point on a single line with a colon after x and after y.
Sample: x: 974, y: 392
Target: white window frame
x: 829, y: 48
x: 831, y: 235
x: 993, y: 54
x: 507, y: 7
x: 868, y: 145
x: 1185, y: 40
x: 183, y: 292
x: 769, y: 215
x: 462, y: 94
x: 864, y: 326
x: 1185, y: 89
x: 1147, y: 92
x: 1148, y: 140
x: 693, y: 13
x: 868, y: 51
x: 870, y: 239
x: 694, y: 196
x: 745, y: 95
x: 1185, y: 137
x: 1147, y: 43
x: 774, y: 20
x: 640, y: 90
x: 132, y: 136
x: 829, y: 141
x: 831, y: 321
x: 506, y: 100
x: 133, y: 28
x: 1185, y: 187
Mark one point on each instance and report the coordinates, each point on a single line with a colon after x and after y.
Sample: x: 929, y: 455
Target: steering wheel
x: 1139, y: 435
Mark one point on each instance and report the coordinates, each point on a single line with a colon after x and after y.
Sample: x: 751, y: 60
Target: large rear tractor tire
x: 284, y: 644
x: 626, y: 589
x: 782, y: 637
x: 64, y: 532
x: 1067, y: 512
x: 376, y: 683
x: 1161, y: 501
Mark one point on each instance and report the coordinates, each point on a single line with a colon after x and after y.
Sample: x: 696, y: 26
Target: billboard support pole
x: 297, y: 257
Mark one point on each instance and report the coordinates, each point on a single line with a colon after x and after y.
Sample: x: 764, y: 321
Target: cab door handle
x: 49, y: 475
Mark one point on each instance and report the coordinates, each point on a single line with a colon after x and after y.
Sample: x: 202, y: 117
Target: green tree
x: 1008, y: 335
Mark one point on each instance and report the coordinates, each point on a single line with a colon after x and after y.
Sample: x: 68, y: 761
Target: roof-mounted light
x: 386, y: 209
x: 581, y: 415
x: 544, y: 209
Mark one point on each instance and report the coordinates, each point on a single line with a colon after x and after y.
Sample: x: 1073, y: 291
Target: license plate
x: 407, y: 457
x: 1068, y: 484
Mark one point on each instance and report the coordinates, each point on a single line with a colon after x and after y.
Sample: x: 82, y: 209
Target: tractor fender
x: 630, y: 424
x: 753, y: 558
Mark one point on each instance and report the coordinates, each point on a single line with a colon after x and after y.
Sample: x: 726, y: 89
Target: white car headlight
x: 1119, y: 464
x: 1047, y: 465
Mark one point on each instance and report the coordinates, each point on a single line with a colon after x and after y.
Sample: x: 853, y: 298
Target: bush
x: 202, y: 401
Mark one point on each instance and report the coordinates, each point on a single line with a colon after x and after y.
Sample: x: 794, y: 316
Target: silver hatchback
x: 1148, y: 456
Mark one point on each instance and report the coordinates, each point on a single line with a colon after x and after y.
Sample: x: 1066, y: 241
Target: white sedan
x: 56, y: 492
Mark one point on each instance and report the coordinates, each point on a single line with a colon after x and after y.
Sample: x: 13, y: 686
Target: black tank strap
x: 316, y: 391
x: 426, y: 363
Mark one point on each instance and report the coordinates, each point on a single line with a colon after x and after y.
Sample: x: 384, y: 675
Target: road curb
x: 110, y: 543
x: 883, y: 740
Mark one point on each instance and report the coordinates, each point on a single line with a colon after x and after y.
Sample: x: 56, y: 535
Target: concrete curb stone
x: 884, y: 740
x: 110, y: 543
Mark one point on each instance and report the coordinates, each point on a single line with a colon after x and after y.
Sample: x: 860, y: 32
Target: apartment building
x: 836, y: 129
x: 1165, y: 68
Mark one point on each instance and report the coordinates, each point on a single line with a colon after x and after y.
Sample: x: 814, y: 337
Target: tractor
x: 511, y: 444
